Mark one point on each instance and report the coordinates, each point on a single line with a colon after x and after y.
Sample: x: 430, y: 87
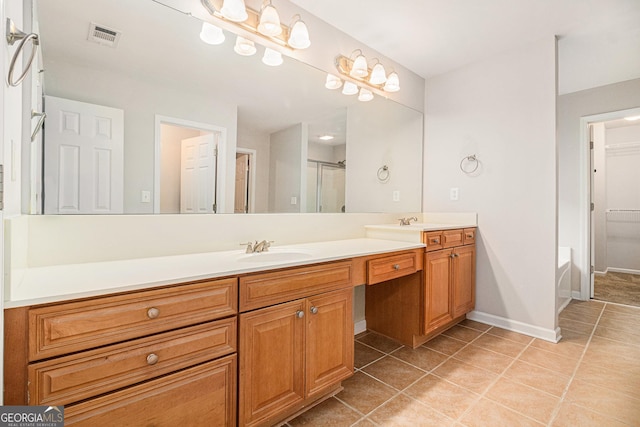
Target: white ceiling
x: 431, y: 37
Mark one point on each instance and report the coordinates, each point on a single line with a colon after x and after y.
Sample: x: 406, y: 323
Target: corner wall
x: 501, y: 109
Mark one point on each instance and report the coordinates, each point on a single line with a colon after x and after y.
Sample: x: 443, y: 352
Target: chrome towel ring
x: 471, y: 164
x: 383, y: 173
x: 14, y: 34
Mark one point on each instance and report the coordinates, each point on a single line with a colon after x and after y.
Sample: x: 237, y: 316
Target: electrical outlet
x: 453, y: 193
x: 145, y: 196
x: 396, y: 195
x: 294, y: 200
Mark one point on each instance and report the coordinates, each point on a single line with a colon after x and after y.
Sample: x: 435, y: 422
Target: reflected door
x: 198, y: 174
x: 84, y: 158
x: 241, y: 201
x: 325, y: 187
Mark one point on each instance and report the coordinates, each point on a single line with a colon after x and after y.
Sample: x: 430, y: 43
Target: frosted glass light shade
x: 349, y: 88
x: 272, y: 57
x: 211, y: 34
x: 333, y: 82
x: 299, y: 36
x: 234, y: 10
x: 365, y: 95
x: 269, y: 21
x: 244, y: 47
x: 393, y: 83
x: 378, y: 75
x: 359, y: 68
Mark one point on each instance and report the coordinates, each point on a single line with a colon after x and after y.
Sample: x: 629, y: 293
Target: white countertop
x: 420, y: 226
x: 63, y: 282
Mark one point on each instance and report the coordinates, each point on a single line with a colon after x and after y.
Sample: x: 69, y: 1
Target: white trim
x: 516, y: 326
x: 584, y: 258
x: 360, y: 327
x: 577, y: 295
x: 222, y: 154
x: 623, y: 270
x: 253, y: 155
x: 564, y: 305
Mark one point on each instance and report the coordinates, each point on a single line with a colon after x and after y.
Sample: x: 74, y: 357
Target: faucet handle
x: 249, y: 246
x: 267, y: 245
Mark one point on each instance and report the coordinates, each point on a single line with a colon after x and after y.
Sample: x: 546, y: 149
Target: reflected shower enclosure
x: 325, y: 186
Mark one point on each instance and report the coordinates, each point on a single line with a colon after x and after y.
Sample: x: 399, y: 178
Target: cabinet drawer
x: 205, y: 392
x: 391, y: 267
x: 433, y: 240
x: 451, y: 238
x: 69, y: 379
x: 78, y: 326
x: 261, y: 290
x: 469, y: 236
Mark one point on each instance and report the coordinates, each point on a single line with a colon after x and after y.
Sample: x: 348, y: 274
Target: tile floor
x: 478, y: 375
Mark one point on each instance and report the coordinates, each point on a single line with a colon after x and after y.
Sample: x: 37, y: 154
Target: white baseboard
x: 359, y: 327
x: 516, y: 326
x: 564, y: 305
x: 623, y: 270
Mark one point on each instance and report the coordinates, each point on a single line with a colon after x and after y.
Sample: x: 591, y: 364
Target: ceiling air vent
x: 103, y: 35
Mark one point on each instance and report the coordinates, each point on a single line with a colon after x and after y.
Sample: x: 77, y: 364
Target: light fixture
x: 260, y: 26
x: 632, y: 118
x: 359, y: 67
x: 365, y: 95
x: 272, y: 57
x: 234, y: 10
x: 333, y: 82
x: 325, y: 137
x: 244, y: 47
x: 378, y: 75
x: 354, y: 68
x: 349, y: 88
x: 269, y: 20
x: 298, y: 34
x: 211, y: 34
x: 393, y: 83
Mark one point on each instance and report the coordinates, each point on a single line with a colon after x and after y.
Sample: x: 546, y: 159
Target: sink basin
x: 274, y: 255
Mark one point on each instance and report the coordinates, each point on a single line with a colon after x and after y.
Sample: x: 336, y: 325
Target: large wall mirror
x: 157, y: 121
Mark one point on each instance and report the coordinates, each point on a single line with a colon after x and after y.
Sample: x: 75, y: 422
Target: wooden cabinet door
x: 437, y: 289
x: 329, y: 352
x: 463, y: 280
x: 271, y: 361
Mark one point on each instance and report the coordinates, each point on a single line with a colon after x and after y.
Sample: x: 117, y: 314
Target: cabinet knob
x: 299, y: 314
x: 314, y: 310
x: 153, y: 312
x: 396, y: 266
x: 469, y: 236
x: 152, y: 359
x: 435, y: 241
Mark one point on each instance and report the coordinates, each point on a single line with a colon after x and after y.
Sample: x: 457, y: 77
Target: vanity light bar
x: 344, y: 66
x: 249, y: 28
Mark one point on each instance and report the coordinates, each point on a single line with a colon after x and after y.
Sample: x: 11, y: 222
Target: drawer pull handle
x: 469, y: 236
x: 435, y: 241
x: 454, y: 255
x: 396, y: 266
x: 314, y: 310
x: 153, y: 312
x: 299, y: 314
x: 152, y: 359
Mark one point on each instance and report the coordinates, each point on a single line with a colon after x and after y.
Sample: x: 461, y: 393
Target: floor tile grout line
x: 494, y: 382
x: 575, y: 370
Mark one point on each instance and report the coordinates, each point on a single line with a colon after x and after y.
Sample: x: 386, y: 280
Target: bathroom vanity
x: 258, y: 342
x: 233, y: 338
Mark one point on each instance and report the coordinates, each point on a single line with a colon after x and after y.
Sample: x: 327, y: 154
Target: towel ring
x: 14, y: 34
x: 384, y: 174
x: 470, y: 159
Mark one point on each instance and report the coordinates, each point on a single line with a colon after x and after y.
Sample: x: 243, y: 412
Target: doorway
x: 188, y: 178
x: 244, y: 200
x: 614, y: 192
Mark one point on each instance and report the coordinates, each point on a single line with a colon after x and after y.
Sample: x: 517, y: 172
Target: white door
x: 84, y: 158
x: 198, y: 174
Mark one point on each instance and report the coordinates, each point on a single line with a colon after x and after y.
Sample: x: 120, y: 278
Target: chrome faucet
x: 258, y: 247
x: 407, y: 221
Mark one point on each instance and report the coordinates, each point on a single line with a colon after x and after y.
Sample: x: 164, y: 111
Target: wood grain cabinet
x: 294, y: 353
x: 160, y: 357
x: 414, y: 308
